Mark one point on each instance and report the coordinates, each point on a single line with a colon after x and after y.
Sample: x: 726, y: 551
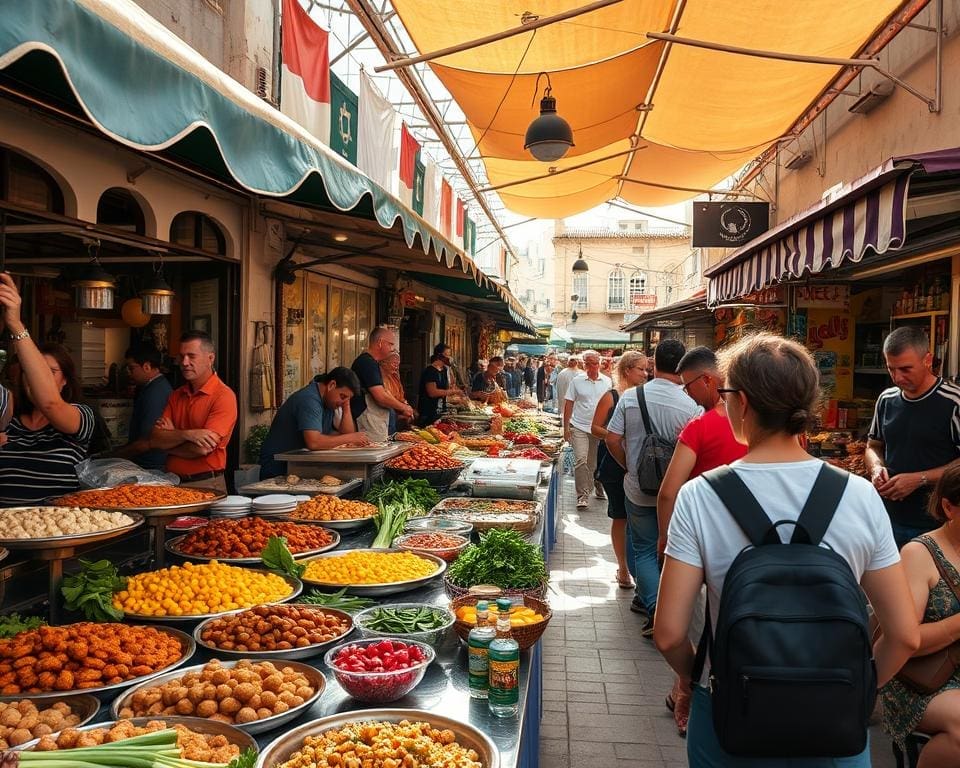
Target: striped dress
x: 38, y: 463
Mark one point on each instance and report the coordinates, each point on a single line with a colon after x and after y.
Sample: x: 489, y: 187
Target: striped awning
x: 869, y: 215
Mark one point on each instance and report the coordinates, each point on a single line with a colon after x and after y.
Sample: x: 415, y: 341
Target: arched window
x: 195, y: 230
x: 119, y: 209
x: 615, y: 291
x: 24, y: 183
x: 638, y: 287
x: 581, y: 287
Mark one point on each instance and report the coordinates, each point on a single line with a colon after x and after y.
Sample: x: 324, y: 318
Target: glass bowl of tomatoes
x: 379, y: 670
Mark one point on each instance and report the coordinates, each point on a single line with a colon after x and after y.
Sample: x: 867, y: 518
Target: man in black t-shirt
x: 915, y: 433
x: 434, y: 386
x: 371, y: 409
x: 484, y: 387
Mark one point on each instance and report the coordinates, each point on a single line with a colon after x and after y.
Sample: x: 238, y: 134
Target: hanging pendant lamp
x: 95, y: 287
x: 580, y: 265
x: 549, y: 136
x: 156, y: 296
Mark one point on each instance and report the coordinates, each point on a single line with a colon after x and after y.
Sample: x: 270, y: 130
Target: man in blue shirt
x: 153, y: 391
x: 316, y: 417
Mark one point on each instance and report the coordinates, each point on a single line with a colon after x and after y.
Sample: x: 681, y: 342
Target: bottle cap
x: 504, y: 604
x: 481, y: 605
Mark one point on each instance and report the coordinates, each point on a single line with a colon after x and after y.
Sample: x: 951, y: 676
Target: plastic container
x: 379, y: 687
x: 431, y: 637
x: 435, y: 524
x: 447, y: 553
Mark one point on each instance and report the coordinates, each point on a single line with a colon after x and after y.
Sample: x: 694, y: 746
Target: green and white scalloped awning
x: 142, y: 86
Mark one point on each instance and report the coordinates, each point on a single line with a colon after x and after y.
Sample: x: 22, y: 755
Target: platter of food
x: 24, y: 721
x: 437, y: 739
x: 216, y: 589
x: 328, y: 484
x: 54, y: 527
x: 148, y: 500
x: 253, y: 695
x: 107, y: 657
x: 373, y: 573
x: 206, y: 741
x: 333, y: 512
x: 486, y: 513
x: 241, y: 540
x: 284, y: 631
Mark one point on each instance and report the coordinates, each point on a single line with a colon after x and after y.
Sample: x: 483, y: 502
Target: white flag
x: 376, y: 153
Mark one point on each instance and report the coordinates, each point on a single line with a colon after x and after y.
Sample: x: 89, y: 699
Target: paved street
x: 604, y: 685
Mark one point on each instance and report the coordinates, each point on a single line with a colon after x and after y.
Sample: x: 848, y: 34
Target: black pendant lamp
x: 95, y: 287
x: 549, y: 136
x: 580, y: 265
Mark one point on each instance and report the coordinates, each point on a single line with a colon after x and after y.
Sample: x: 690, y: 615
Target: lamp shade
x: 549, y: 136
x: 580, y: 265
x: 95, y: 287
x: 156, y: 296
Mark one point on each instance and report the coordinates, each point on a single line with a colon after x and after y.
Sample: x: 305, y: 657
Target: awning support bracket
x: 933, y: 103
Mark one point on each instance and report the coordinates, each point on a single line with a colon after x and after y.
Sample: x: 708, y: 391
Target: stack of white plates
x: 231, y: 506
x: 274, y: 504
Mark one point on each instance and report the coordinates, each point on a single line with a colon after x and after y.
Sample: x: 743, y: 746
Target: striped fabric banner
x: 876, y: 221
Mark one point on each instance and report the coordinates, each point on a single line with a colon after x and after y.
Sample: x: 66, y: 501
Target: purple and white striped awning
x: 870, y: 214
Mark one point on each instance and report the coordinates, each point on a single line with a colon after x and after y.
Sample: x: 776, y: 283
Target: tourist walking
x: 565, y: 375
x: 582, y: 396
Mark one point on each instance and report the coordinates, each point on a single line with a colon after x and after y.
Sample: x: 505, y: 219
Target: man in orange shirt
x: 199, y: 418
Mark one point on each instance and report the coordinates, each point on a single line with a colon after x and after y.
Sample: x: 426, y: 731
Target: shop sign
x: 823, y: 296
x: 728, y: 225
x: 766, y: 297
x: 837, y: 327
x: 668, y: 324
x: 644, y: 301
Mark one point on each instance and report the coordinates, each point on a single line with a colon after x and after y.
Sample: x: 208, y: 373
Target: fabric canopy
x: 711, y: 112
x: 696, y: 303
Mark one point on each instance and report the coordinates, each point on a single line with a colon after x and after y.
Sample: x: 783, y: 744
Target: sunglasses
x: 725, y: 391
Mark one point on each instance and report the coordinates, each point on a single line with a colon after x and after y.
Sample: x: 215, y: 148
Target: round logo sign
x: 735, y: 222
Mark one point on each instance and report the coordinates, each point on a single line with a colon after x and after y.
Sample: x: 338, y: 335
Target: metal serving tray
x: 173, y: 546
x: 73, y: 540
x: 295, y: 585
x: 293, y: 653
x: 386, y: 588
x: 307, y: 485
x: 337, y: 525
x: 196, y: 724
x: 283, y: 747
x: 83, y: 705
x: 169, y: 509
x: 186, y: 642
x: 316, y: 678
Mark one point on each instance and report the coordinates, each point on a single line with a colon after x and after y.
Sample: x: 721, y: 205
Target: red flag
x: 446, y: 204
x: 409, y: 147
x: 305, y: 84
x: 461, y: 211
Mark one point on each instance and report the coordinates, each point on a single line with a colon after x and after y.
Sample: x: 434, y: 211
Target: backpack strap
x: 821, y: 505
x: 642, y: 400
x: 742, y: 505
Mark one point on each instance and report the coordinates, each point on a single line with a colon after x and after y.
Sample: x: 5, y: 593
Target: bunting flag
x: 305, y: 71
x: 376, y: 154
x: 431, y: 194
x: 472, y: 249
x: 409, y: 150
x: 461, y: 212
x: 419, y: 181
x: 343, y: 120
x: 469, y: 236
x: 446, y: 208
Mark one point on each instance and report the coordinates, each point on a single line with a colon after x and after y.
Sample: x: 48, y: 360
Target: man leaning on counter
x: 198, y: 419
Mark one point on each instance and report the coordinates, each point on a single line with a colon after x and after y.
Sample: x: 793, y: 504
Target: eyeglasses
x: 686, y: 387
x: 723, y: 391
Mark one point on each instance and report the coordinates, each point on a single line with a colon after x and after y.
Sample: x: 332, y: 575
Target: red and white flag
x: 305, y: 76
x: 409, y: 147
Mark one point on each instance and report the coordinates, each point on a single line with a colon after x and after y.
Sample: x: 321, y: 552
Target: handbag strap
x: 642, y: 400
x: 947, y: 577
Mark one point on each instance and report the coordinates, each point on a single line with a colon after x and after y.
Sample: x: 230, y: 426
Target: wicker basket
x: 526, y: 635
x: 453, y: 591
x: 438, y: 478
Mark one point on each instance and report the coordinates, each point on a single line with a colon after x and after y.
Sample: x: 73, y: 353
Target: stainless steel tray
x: 293, y: 653
x: 337, y: 525
x: 388, y: 588
x: 83, y: 705
x: 170, y: 509
x: 196, y: 724
x: 173, y: 546
x: 316, y: 678
x: 75, y: 540
x: 295, y: 585
x: 308, y: 485
x: 186, y: 643
x: 447, y: 507
x: 283, y: 747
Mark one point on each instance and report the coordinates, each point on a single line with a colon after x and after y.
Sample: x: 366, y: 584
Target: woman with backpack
x: 932, y: 562
x: 791, y: 678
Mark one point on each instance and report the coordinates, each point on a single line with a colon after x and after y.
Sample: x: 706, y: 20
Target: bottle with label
x: 478, y: 643
x: 504, y: 655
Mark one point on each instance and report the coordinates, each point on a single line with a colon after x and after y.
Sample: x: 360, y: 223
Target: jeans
x: 643, y: 531
x: 903, y: 533
x: 704, y: 751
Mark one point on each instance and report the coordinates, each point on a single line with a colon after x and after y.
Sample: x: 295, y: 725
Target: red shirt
x: 213, y: 406
x: 710, y: 436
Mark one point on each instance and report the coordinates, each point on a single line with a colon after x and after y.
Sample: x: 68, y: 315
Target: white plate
x: 273, y: 499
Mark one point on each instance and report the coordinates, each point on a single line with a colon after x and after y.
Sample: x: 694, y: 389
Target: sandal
x: 681, y: 714
x: 625, y: 583
x: 671, y: 702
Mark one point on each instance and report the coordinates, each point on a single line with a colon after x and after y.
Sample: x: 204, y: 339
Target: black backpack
x: 655, y: 452
x: 792, y: 661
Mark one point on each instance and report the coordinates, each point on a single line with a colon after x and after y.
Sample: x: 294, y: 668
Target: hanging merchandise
x: 132, y: 313
x: 261, y: 372
x: 157, y: 295
x: 95, y: 287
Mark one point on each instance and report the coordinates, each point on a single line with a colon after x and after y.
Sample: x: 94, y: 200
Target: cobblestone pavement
x: 604, y: 685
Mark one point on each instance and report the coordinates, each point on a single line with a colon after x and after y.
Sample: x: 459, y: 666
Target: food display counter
x: 364, y: 463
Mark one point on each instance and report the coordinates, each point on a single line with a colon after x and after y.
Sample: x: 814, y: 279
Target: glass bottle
x: 504, y: 654
x: 478, y: 644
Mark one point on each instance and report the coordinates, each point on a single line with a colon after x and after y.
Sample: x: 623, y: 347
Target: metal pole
x: 558, y: 171
x: 727, y: 193
x: 497, y: 36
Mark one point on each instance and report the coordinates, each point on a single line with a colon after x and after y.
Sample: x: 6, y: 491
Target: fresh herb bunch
x: 91, y: 591
x: 502, y: 558
x: 417, y: 497
x: 339, y: 600
x: 405, y: 620
x: 13, y: 625
x: 246, y: 759
x: 277, y: 557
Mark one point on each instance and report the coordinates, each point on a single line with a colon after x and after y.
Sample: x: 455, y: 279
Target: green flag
x: 343, y: 119
x: 467, y: 224
x: 419, y: 175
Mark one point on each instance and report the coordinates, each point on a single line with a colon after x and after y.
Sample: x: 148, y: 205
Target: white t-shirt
x: 704, y: 534
x: 585, y: 394
x: 563, y: 383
